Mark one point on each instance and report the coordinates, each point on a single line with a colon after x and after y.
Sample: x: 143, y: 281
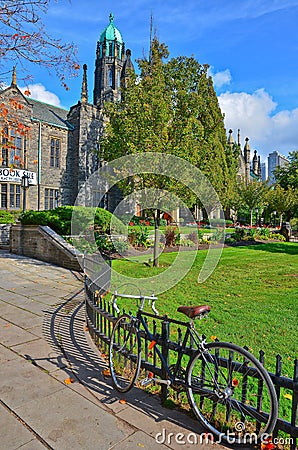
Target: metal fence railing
x: 100, y: 317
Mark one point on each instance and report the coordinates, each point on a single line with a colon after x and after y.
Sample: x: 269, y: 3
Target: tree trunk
x: 156, y: 238
x: 251, y: 218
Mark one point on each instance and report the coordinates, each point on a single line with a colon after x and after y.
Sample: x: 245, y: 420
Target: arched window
x: 110, y: 77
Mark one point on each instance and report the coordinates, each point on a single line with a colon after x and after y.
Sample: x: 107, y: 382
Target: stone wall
x: 41, y: 242
x: 4, y: 235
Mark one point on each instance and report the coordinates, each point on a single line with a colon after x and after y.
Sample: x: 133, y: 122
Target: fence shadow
x: 65, y: 330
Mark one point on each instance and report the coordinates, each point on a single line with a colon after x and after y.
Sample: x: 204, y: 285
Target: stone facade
x: 248, y: 169
x: 60, y: 147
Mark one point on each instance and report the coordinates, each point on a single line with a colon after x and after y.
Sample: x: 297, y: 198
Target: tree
x: 12, y: 132
x: 287, y: 178
x: 282, y: 200
x: 253, y: 195
x: 288, y: 174
x: 23, y: 39
x: 170, y: 109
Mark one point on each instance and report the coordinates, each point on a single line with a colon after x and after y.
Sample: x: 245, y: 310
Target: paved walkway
x: 53, y: 393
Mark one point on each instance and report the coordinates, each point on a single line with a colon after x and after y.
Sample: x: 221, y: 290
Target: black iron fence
x: 100, y: 316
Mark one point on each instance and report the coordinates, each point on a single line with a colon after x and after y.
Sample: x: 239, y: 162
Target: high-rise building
x: 263, y: 171
x: 275, y: 160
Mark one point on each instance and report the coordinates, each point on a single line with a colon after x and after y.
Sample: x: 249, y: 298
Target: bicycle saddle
x: 194, y: 311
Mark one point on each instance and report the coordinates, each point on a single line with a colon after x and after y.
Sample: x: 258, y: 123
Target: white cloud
x: 39, y: 92
x: 254, y: 115
x: 220, y: 78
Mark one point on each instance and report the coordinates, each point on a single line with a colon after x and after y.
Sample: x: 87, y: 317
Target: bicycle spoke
x: 227, y: 386
x: 124, y: 354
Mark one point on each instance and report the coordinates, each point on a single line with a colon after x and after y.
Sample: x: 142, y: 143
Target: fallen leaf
x: 268, y: 446
x: 151, y: 345
x: 86, y: 328
x: 141, y: 445
x: 288, y: 396
x: 122, y: 401
x: 69, y: 381
x: 212, y: 338
x: 103, y: 355
x: 106, y: 373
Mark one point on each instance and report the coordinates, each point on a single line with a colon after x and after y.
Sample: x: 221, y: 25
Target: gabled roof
x: 53, y: 115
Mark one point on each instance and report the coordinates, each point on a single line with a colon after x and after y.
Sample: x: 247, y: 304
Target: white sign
x: 15, y: 176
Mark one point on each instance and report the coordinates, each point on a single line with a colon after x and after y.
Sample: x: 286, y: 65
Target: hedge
x: 60, y: 219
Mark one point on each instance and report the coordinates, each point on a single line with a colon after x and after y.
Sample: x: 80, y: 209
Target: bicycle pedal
x: 147, y: 381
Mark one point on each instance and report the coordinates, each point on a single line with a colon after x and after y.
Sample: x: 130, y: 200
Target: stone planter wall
x: 41, y: 242
x: 4, y: 235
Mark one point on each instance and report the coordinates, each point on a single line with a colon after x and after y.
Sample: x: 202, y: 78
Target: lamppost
x: 25, y: 186
x: 257, y: 212
x: 274, y: 214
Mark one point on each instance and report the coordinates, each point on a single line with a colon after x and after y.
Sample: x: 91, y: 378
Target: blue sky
x: 251, y: 46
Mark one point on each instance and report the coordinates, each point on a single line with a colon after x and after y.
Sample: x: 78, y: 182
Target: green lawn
x: 253, y: 293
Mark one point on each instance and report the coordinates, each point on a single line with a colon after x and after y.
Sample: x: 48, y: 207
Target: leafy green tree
x: 287, y: 178
x: 253, y: 195
x: 288, y: 174
x: 282, y: 201
x: 171, y: 109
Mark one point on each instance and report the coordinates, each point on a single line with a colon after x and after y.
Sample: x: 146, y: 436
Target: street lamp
x: 274, y: 213
x: 257, y: 212
x: 25, y: 186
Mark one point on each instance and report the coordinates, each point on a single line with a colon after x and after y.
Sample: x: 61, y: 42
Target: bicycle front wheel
x: 124, y: 354
x: 231, y: 393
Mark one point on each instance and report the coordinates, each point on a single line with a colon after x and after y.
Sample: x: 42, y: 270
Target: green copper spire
x: 109, y: 35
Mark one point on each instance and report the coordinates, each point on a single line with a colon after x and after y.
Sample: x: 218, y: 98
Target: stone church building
x: 56, y: 149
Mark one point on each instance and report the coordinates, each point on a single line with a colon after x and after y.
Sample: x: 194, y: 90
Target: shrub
x: 171, y: 235
x: 186, y: 243
x: 277, y: 237
x: 6, y: 217
x: 263, y: 233
x: 230, y: 240
x: 60, y: 219
x: 139, y: 237
x: 218, y: 235
x: 194, y: 236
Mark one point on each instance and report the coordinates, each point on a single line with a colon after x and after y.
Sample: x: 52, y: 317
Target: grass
x: 253, y: 296
x: 252, y: 292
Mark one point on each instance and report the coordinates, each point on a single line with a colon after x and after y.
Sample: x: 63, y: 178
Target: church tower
x: 110, y: 56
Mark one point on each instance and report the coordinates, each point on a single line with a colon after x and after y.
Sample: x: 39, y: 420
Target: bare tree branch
x: 23, y: 38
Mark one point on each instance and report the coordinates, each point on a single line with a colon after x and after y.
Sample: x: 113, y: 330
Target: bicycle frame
x: 139, y: 320
x: 189, y: 333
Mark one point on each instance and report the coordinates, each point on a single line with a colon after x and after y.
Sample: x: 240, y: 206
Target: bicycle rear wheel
x: 124, y: 353
x: 231, y: 393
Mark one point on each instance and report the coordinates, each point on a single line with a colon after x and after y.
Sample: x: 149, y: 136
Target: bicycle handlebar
x: 151, y: 300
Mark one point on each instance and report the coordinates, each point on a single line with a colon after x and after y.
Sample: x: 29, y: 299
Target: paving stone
x: 14, y: 434
x: 11, y: 334
x: 73, y: 422
x: 21, y: 382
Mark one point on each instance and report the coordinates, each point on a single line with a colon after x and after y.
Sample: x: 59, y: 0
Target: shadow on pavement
x: 64, y: 329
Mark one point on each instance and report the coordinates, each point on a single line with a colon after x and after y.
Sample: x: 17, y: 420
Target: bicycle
x: 228, y: 389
